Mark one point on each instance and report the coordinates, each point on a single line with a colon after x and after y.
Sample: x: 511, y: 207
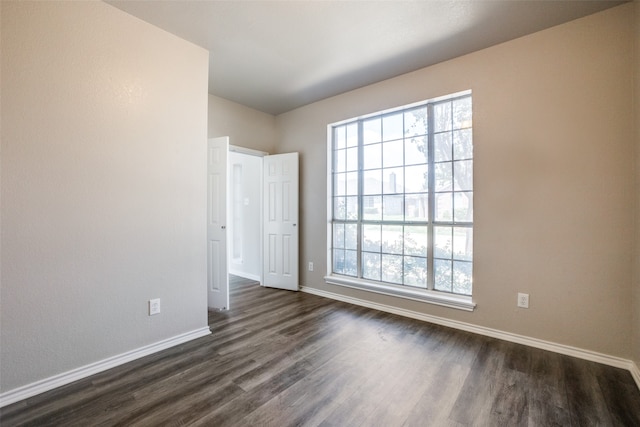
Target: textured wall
x: 103, y: 174
x: 553, y: 174
x: 636, y: 254
x: 244, y: 126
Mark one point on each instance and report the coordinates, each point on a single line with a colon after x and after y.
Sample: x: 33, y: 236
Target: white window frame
x: 446, y: 299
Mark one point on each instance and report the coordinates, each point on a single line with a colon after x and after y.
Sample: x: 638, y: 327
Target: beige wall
x: 244, y: 126
x: 636, y: 283
x: 103, y: 185
x: 553, y: 129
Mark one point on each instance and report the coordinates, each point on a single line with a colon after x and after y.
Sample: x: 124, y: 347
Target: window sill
x: 459, y: 302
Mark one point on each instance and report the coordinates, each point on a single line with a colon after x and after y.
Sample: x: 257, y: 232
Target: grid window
x: 402, y: 194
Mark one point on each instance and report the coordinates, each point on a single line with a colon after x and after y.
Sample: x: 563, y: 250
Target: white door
x: 280, y: 255
x: 217, y: 278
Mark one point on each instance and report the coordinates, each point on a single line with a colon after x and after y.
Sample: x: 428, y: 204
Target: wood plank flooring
x: 280, y: 358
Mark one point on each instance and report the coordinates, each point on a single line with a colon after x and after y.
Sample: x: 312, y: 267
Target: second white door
x: 280, y: 227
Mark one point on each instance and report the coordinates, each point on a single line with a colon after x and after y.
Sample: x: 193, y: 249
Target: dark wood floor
x: 280, y: 358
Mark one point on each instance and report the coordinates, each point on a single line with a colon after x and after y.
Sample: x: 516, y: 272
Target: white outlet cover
x: 523, y: 300
x: 154, y: 306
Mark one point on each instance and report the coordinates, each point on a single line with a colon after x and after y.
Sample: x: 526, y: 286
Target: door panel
x: 281, y: 221
x: 217, y: 277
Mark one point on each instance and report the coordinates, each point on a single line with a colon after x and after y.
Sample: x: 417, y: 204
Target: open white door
x: 217, y: 277
x: 280, y: 255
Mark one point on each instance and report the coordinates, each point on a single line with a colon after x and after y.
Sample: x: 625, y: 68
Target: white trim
x: 459, y: 302
x: 635, y: 373
x: 64, y: 378
x: 494, y: 333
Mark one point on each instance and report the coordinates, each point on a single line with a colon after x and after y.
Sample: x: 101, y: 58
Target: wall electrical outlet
x: 154, y: 306
x: 523, y: 300
x: 310, y: 266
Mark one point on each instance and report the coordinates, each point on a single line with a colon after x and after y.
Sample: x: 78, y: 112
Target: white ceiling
x: 275, y: 56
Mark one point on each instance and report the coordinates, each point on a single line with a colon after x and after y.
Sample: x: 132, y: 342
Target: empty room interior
x: 453, y: 239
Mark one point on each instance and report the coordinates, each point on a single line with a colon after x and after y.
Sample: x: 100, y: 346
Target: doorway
x: 230, y: 205
x: 244, y: 202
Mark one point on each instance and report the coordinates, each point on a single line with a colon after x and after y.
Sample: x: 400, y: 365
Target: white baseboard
x: 494, y: 333
x: 635, y: 373
x: 59, y: 380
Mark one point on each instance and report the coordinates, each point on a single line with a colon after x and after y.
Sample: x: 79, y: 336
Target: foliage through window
x: 402, y: 196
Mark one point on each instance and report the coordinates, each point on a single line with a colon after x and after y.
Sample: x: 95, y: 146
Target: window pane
x: 351, y: 236
x: 393, y: 153
x: 372, y: 182
x: 444, y: 207
x: 415, y: 207
x: 415, y: 240
x: 339, y: 208
x: 372, y: 156
x: 371, y: 238
x: 352, y: 135
x: 442, y: 270
x: 339, y: 184
x: 392, y: 208
x: 341, y: 161
x: 463, y: 175
x: 443, y: 176
x: 442, y: 244
x: 338, y: 261
x: 352, y: 208
x: 392, y: 241
x: 392, y: 268
x: 462, y: 277
x: 416, y: 179
x: 339, y: 137
x: 462, y: 144
x: 392, y: 127
x: 415, y: 121
x: 462, y: 113
x: 352, y: 159
x: 442, y: 147
x: 372, y: 208
x: 371, y: 130
x: 463, y: 243
x: 351, y: 263
x: 442, y: 116
x: 415, y: 151
x: 352, y: 183
x: 463, y: 207
x: 392, y: 180
x: 338, y: 235
x: 371, y: 266
x: 415, y: 271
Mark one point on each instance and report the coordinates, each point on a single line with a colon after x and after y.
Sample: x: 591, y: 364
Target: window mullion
x: 431, y: 197
x: 360, y: 198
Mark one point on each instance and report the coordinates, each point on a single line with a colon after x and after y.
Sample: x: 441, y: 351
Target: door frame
x: 252, y: 152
